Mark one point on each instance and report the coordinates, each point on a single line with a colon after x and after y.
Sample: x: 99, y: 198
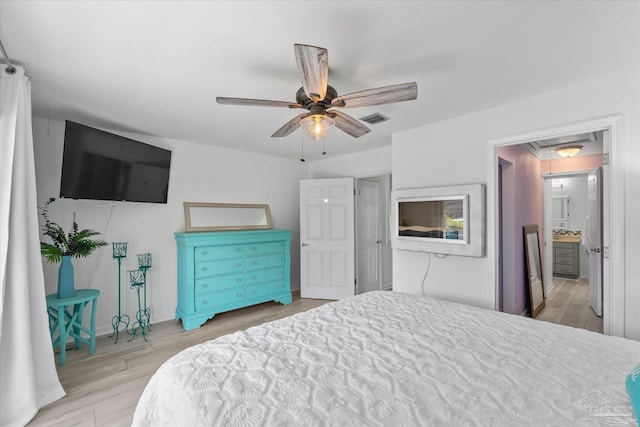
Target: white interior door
x: 369, y: 244
x: 327, y: 261
x: 593, y: 243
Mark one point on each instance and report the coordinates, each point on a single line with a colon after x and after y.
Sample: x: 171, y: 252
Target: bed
x: 392, y: 359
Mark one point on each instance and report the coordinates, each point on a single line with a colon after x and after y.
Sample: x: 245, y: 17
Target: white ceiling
x: 155, y: 67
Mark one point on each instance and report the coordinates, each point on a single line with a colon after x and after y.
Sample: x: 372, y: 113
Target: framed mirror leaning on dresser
x: 225, y: 216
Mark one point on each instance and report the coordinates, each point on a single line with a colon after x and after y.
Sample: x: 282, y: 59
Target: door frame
x: 612, y: 202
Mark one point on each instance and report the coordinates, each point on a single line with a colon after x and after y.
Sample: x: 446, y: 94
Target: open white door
x: 593, y: 243
x: 327, y: 261
x: 369, y: 256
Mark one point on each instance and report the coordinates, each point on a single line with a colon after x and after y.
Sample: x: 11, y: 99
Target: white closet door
x: 327, y: 261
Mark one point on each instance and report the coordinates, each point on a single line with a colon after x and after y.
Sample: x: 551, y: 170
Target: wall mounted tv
x: 99, y: 165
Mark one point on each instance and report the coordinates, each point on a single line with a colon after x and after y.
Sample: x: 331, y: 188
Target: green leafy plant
x: 76, y: 243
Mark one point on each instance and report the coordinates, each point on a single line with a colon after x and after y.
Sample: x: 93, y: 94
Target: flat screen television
x: 99, y: 165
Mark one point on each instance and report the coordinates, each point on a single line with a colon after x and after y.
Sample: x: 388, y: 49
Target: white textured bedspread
x: 391, y: 359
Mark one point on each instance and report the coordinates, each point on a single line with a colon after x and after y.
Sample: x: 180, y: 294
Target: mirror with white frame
x: 560, y: 212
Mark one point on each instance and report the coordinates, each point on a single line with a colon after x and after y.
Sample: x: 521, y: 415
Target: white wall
x: 456, y: 151
x: 366, y: 163
x: 198, y: 174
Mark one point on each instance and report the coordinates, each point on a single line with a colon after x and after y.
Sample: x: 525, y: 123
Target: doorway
x: 573, y: 242
x: 612, y: 212
x: 373, y: 245
x: 345, y: 245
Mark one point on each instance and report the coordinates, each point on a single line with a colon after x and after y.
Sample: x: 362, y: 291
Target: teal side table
x: 65, y: 316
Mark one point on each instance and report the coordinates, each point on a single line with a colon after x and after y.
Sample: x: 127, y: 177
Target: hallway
x: 568, y: 304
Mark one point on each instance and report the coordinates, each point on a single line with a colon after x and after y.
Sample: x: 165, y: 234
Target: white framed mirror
x: 225, y: 216
x: 560, y: 212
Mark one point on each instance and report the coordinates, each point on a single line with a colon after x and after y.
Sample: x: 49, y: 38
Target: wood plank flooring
x: 103, y: 389
x: 568, y: 304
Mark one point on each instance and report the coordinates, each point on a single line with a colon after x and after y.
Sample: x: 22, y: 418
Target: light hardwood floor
x: 103, y: 389
x: 568, y: 304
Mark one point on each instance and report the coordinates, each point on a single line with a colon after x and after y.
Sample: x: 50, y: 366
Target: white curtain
x: 28, y: 377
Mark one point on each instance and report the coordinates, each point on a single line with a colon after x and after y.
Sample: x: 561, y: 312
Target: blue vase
x: 65, y: 278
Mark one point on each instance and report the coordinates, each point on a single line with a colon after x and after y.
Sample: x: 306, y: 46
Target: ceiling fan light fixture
x: 569, y: 150
x: 317, y: 126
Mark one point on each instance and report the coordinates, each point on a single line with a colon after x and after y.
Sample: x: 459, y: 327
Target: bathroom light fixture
x: 568, y: 150
x: 317, y: 126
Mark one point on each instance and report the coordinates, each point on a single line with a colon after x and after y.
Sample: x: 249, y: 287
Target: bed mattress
x: 392, y: 359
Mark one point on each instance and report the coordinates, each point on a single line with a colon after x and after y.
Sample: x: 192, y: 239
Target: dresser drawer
x: 564, y: 260
x: 564, y: 252
x: 265, y: 261
x: 209, y: 253
x: 217, y: 283
x: 215, y: 299
x: 265, y: 289
x: 226, y: 266
x: 263, y: 276
x: 561, y: 268
x: 566, y: 245
x: 263, y: 248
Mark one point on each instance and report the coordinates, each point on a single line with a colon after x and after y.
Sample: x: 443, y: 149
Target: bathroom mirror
x: 225, y: 216
x: 559, y: 212
x: 534, y: 268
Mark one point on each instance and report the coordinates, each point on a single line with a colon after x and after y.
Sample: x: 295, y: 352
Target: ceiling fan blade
x: 290, y: 126
x: 257, y: 102
x: 348, y: 124
x: 313, y: 66
x: 381, y: 95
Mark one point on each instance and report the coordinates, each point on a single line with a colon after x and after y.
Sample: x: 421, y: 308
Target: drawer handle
x: 238, y: 295
x: 204, y: 253
x: 204, y: 268
x: 253, y: 248
x: 204, y: 285
x: 253, y: 263
x: 238, y: 280
x: 253, y: 277
x: 204, y: 301
x: 281, y: 273
x: 253, y: 291
x: 238, y: 265
x: 238, y: 250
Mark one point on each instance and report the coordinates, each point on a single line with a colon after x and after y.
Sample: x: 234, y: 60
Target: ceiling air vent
x: 374, y: 119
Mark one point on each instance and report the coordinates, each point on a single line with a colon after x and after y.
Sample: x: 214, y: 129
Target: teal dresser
x: 223, y: 270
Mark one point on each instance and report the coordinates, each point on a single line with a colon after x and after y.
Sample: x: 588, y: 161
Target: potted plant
x: 74, y: 244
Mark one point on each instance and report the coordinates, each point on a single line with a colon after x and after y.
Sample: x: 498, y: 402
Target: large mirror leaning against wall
x: 225, y: 216
x: 534, y: 268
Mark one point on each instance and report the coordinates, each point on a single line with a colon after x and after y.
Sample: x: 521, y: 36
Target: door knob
x: 596, y: 250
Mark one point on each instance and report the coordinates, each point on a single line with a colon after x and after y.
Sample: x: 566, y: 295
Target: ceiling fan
x: 317, y: 96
